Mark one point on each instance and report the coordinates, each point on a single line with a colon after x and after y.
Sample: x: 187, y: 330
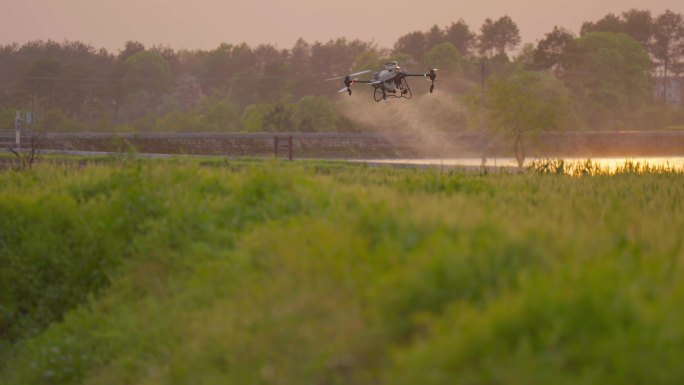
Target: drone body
x: 389, y: 82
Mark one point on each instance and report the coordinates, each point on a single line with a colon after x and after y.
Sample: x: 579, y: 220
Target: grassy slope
x: 312, y: 273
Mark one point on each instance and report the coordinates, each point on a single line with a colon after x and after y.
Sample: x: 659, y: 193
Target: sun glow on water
x: 607, y: 164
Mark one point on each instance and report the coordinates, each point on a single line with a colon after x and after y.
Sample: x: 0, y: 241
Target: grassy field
x: 228, y: 272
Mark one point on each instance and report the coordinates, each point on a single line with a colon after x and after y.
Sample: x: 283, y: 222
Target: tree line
x: 608, y: 75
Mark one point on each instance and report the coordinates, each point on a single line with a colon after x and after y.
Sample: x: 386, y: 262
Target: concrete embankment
x: 363, y: 145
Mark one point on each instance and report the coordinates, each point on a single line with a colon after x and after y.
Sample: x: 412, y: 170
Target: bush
x: 315, y: 113
x: 241, y: 272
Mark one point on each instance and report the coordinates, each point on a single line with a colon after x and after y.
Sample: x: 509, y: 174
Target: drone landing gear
x: 379, y: 94
x: 402, y: 91
x: 405, y: 89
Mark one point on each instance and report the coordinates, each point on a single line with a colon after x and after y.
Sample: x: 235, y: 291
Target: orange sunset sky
x: 204, y: 24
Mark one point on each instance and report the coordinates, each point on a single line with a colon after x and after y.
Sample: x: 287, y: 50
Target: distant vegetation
x: 223, y: 272
x: 611, y: 71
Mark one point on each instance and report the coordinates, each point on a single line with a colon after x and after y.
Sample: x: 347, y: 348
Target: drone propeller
x: 433, y: 76
x: 350, y: 75
x: 348, y: 80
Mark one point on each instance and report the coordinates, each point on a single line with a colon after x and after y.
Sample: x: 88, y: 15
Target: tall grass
x: 324, y: 273
x: 593, y: 168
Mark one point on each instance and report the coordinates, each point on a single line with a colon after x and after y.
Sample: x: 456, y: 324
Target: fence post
x: 276, y: 143
x: 275, y: 146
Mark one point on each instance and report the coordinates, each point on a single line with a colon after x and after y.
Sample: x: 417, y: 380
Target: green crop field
x: 262, y: 272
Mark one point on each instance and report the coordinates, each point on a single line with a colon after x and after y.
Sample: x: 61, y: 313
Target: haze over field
x: 204, y: 24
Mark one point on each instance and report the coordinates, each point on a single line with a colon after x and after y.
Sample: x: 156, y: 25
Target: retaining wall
x: 367, y: 145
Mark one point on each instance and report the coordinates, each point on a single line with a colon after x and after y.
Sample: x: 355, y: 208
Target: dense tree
x: 170, y: 55
x: 498, y: 36
x: 636, y: 23
x: 187, y: 92
x: 417, y: 43
x: 216, y: 69
x: 609, y: 74
x: 524, y: 104
x: 242, y: 58
x: 147, y: 71
x: 314, y: 113
x: 368, y: 60
x: 253, y: 117
x: 221, y: 115
x: 335, y: 56
x: 551, y: 51
x: 524, y: 60
x: 413, y: 44
x: 668, y: 44
x: 41, y: 76
x: 460, y: 36
x: 275, y: 80
x: 486, y: 40
x: 145, y: 80
x: 270, y: 117
x: 71, y: 83
x: 444, y: 56
x: 300, y: 54
x: 265, y: 54
x: 609, y: 23
x: 639, y: 25
x: 300, y: 62
x: 131, y: 48
x: 433, y: 37
x: 46, y: 75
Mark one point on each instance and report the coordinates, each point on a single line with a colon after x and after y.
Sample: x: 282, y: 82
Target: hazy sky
x: 206, y: 23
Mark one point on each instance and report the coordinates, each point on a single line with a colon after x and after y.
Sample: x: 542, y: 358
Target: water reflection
x: 609, y: 164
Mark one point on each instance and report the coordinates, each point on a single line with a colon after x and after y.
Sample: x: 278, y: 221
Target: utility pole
x: 33, y: 109
x: 49, y: 111
x: 17, y: 129
x: 483, y: 118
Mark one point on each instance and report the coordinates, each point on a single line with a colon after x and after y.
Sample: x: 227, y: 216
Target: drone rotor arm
x: 431, y: 75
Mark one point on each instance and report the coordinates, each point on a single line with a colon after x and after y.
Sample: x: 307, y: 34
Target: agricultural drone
x: 389, y: 82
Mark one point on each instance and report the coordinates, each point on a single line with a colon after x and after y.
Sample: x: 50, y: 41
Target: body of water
x: 604, y: 163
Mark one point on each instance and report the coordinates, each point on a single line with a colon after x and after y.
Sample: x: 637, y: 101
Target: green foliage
x: 73, y: 86
x: 608, y: 73
x: 59, y: 246
x: 147, y: 71
x: 523, y: 104
x: 413, y: 44
x: 145, y: 123
x: 369, y: 60
x: 444, y: 56
x: 221, y: 115
x: 179, y: 121
x: 315, y: 113
x: 551, y: 52
x: 591, y: 168
x: 498, y: 36
x: 309, y: 114
x: 460, y: 36
x: 253, y: 117
x: 57, y: 120
x: 214, y: 271
x: 7, y: 118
